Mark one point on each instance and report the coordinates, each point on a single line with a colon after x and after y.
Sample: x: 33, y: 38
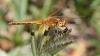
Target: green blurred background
x: 15, y: 39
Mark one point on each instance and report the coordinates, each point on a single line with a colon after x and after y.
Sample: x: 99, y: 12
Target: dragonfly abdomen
x: 20, y: 23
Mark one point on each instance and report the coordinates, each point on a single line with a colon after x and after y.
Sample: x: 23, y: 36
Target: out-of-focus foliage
x: 14, y: 40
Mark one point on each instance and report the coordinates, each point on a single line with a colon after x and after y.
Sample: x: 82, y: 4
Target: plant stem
x: 33, y: 44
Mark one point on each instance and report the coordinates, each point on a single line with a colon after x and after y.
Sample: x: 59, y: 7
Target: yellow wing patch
x: 42, y: 29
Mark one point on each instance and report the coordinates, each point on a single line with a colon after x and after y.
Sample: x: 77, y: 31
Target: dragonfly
x: 45, y: 24
x: 50, y: 21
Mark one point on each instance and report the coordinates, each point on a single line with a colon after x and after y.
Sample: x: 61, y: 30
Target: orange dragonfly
x: 49, y: 22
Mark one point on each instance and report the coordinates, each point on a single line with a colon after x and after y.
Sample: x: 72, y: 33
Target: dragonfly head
x: 61, y: 22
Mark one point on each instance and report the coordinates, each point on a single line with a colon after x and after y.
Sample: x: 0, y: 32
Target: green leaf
x: 94, y: 41
x: 34, y: 10
x: 95, y: 4
x: 95, y: 20
x: 97, y: 53
x: 20, y: 8
x: 46, y: 8
x: 19, y: 51
x: 15, y: 51
x: 3, y: 24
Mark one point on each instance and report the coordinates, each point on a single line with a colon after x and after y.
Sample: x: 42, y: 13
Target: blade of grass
x: 46, y: 8
x: 20, y: 7
x: 34, y: 10
x: 94, y: 41
x: 94, y: 4
x: 33, y: 44
x: 95, y: 19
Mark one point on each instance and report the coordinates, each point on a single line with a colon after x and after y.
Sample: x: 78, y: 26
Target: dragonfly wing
x: 42, y: 28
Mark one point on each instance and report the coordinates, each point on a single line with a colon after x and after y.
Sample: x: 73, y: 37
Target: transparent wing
x: 42, y: 28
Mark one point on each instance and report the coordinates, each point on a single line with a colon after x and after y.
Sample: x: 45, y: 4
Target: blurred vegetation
x: 15, y: 40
